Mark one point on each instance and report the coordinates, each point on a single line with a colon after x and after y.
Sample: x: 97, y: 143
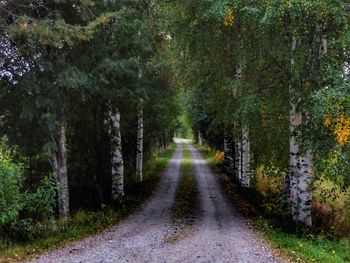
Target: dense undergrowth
x: 268, y: 212
x: 53, y: 233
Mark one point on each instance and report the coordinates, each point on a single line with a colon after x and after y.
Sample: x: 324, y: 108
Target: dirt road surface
x: 219, y: 235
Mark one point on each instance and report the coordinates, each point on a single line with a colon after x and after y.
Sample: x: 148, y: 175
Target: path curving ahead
x: 219, y: 235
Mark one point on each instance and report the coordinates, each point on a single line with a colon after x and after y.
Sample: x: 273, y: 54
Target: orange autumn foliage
x: 219, y: 156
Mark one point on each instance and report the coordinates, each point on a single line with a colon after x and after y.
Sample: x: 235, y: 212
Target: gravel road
x: 219, y: 235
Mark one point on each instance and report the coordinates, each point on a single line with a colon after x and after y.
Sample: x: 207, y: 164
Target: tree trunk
x: 294, y: 123
x: 293, y: 180
x: 139, y: 156
x: 164, y: 141
x: 59, y: 165
x: 305, y: 189
x: 200, y: 140
x: 306, y: 173
x: 245, y: 176
x: 301, y: 166
x: 238, y: 159
x: 226, y: 149
x: 238, y: 140
x: 228, y: 153
x: 117, y: 156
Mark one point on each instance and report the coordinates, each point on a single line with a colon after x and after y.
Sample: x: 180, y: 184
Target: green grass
x: 309, y: 248
x: 186, y: 201
x: 84, y: 223
x: 208, y: 154
x: 298, y: 248
x: 81, y: 224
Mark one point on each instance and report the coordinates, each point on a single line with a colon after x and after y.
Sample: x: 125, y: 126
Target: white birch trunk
x: 139, y: 155
x: 238, y: 141
x: 59, y: 165
x: 226, y: 150
x: 200, y: 140
x: 117, y: 156
x: 245, y: 176
x: 305, y: 189
x: 306, y: 173
x: 294, y: 123
x: 229, y: 160
x: 238, y: 159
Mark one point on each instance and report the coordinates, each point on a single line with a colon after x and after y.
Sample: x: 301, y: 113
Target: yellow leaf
x: 229, y: 19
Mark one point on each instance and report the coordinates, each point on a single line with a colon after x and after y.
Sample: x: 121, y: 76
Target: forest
x: 93, y: 93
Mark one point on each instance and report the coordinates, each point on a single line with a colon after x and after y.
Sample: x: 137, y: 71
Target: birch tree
x: 117, y: 156
x: 242, y: 146
x: 286, y: 60
x: 245, y: 178
x: 229, y: 152
x: 139, y: 154
x: 295, y: 122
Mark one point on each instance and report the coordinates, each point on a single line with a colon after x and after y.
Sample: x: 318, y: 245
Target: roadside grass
x: 297, y: 247
x: 308, y: 248
x: 84, y: 223
x: 208, y: 154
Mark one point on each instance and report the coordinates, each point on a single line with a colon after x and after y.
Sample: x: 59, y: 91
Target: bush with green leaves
x: 40, y: 204
x: 23, y: 214
x: 11, y: 198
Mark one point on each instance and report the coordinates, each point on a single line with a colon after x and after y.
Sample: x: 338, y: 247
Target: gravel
x: 220, y: 234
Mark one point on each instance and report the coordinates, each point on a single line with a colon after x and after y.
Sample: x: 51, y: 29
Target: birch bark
x: 139, y: 155
x: 242, y: 148
x: 245, y: 176
x: 305, y: 189
x: 238, y: 159
x: 306, y: 174
x: 294, y: 123
x: 117, y: 156
x: 228, y: 152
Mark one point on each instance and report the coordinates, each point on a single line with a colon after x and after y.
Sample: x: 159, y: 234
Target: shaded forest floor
x: 84, y: 223
x: 293, y: 244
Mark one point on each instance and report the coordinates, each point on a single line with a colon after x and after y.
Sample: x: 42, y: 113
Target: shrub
x: 23, y: 214
x: 39, y: 205
x: 11, y: 199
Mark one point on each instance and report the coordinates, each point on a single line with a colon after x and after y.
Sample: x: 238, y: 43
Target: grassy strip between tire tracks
x: 186, y: 201
x: 186, y: 207
x: 84, y: 223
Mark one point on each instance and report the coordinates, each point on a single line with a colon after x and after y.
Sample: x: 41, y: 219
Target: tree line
x: 85, y: 100
x: 268, y: 83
